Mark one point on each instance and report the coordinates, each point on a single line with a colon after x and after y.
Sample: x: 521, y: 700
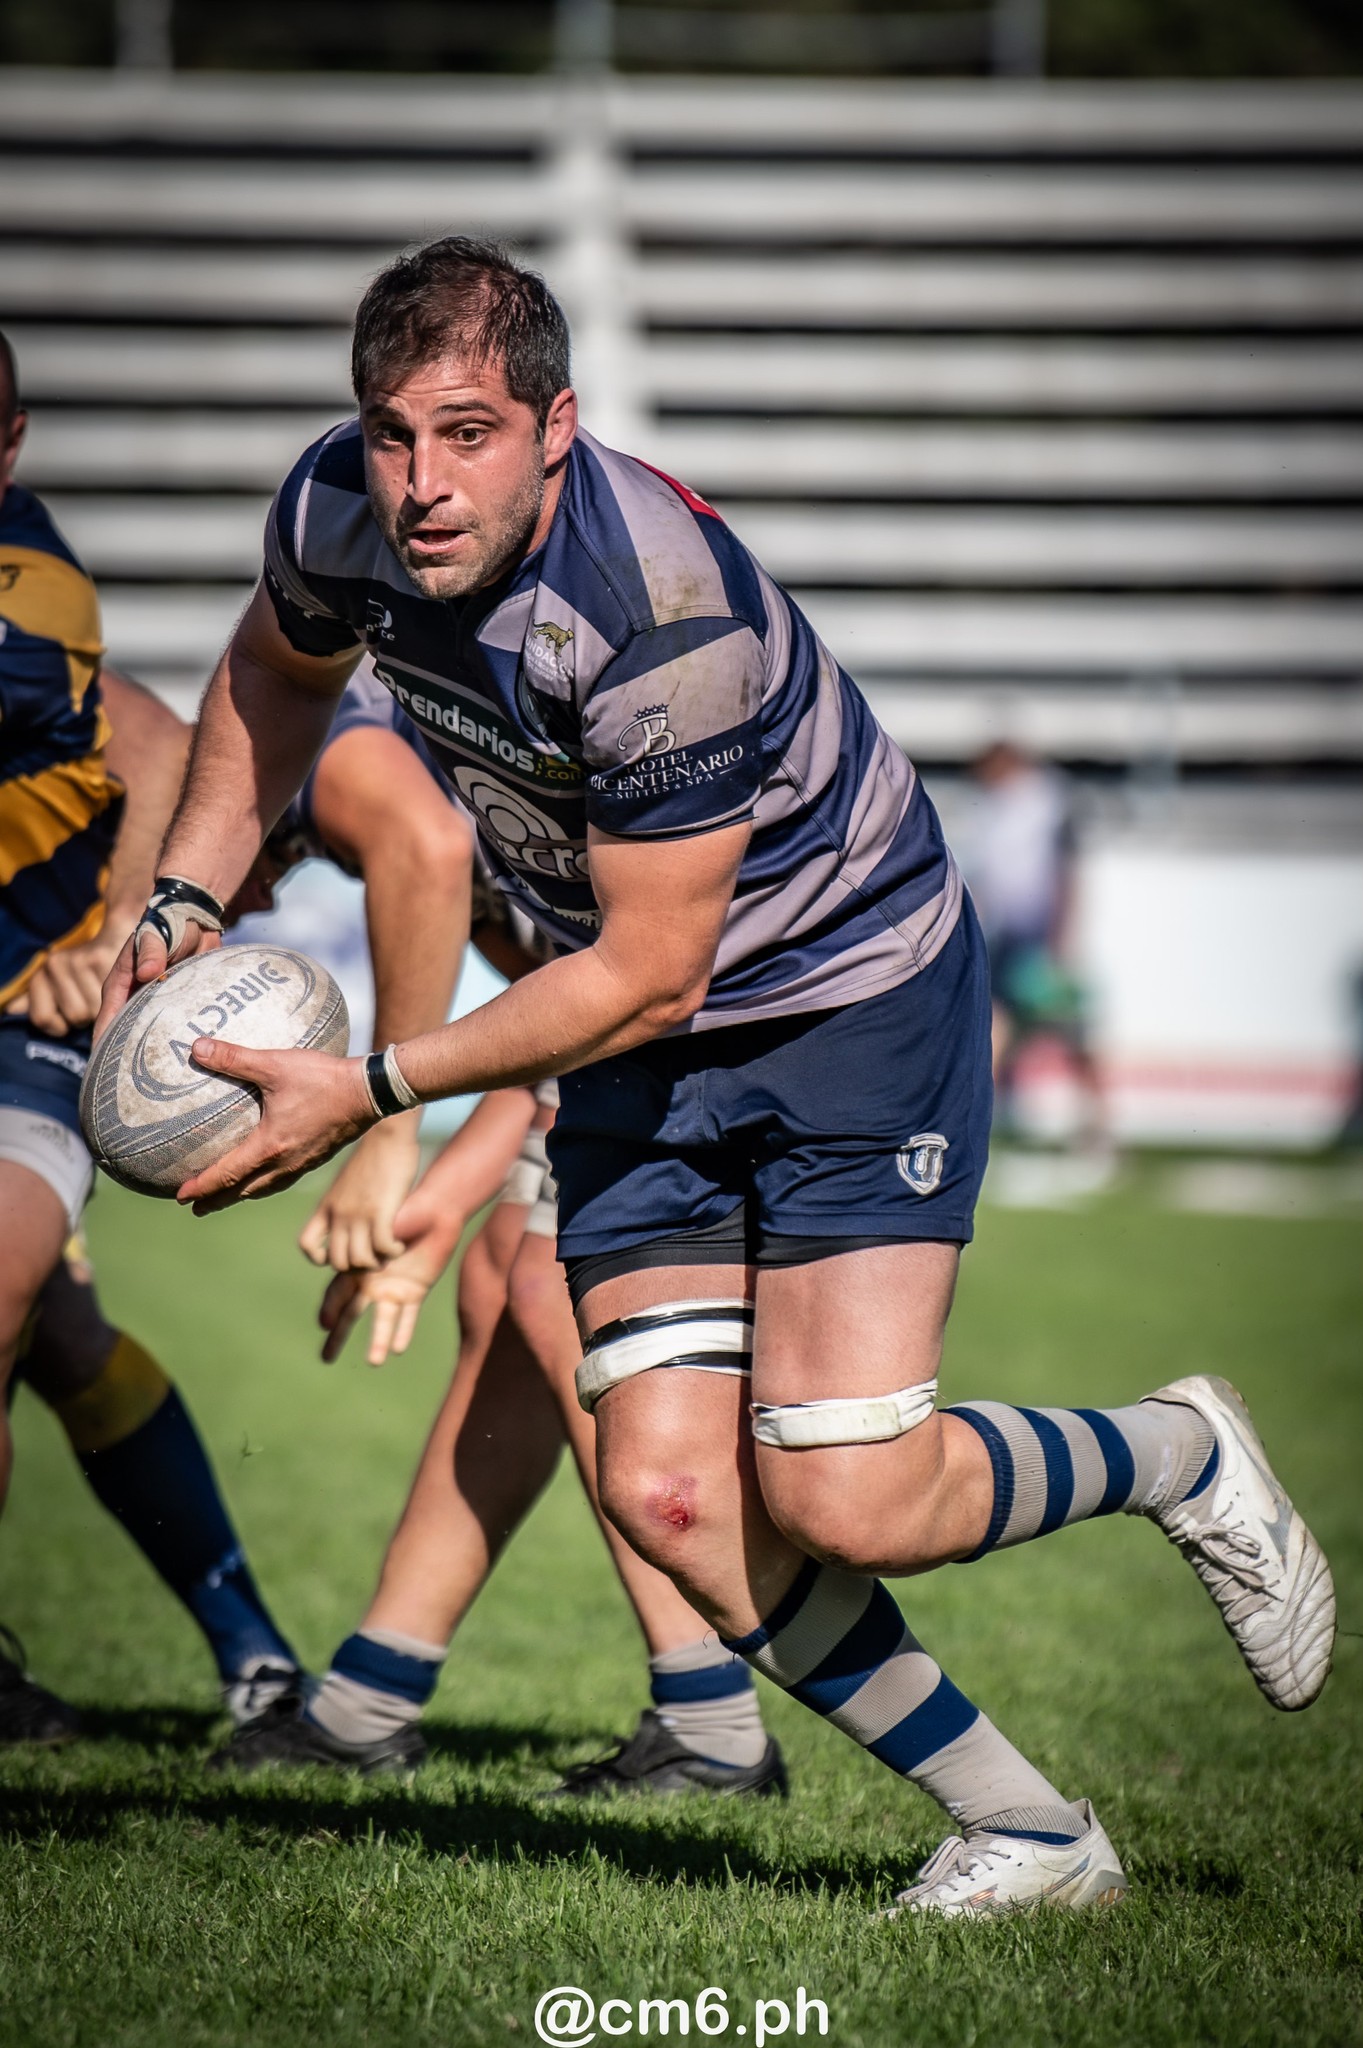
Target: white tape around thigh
x: 710, y: 1336
x: 805, y: 1425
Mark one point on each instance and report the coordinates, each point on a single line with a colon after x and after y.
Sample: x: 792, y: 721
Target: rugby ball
x: 150, y: 1116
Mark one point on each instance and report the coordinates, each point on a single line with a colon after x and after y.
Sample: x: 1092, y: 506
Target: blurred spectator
x: 1020, y: 866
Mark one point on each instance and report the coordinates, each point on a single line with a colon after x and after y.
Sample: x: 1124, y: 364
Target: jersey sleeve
x: 305, y: 618
x: 672, y: 731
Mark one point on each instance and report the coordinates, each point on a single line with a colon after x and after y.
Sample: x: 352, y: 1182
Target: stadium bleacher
x: 1047, y: 401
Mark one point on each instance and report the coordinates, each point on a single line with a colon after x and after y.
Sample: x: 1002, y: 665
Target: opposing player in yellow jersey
x: 77, y: 849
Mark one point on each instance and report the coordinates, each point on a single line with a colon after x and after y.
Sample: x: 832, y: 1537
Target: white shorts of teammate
x: 531, y: 1182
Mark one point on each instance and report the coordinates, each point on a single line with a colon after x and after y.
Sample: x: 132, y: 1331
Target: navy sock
x: 158, y: 1483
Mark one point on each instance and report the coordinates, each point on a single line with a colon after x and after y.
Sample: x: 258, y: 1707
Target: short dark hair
x: 10, y: 407
x: 470, y: 296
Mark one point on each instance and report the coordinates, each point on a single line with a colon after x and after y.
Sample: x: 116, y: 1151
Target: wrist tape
x: 174, y: 905
x: 388, y: 1087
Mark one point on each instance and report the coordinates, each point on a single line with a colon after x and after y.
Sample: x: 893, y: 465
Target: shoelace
x: 1222, y: 1556
x: 574, y: 1773
x: 958, y: 1856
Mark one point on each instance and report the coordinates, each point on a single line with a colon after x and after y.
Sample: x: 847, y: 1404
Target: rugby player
x: 511, y: 1400
x: 84, y: 797
x: 770, y: 1016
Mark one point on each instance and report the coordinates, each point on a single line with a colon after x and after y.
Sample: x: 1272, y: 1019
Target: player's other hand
x: 431, y: 1234
x: 395, y: 1291
x: 311, y: 1104
x: 64, y: 995
x: 352, y: 1225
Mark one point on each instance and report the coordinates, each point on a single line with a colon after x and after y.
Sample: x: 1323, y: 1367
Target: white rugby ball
x: 150, y: 1116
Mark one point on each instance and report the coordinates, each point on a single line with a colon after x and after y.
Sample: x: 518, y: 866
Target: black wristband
x: 387, y: 1101
x: 174, y: 889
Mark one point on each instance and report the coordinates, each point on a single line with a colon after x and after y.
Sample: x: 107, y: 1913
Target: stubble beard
x: 501, y: 541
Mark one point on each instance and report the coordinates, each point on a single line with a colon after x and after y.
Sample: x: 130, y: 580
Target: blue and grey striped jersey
x: 642, y: 673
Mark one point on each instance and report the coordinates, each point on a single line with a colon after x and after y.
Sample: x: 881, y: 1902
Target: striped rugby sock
x: 1053, y: 1466
x: 378, y: 1683
x: 705, y: 1695
x: 839, y: 1644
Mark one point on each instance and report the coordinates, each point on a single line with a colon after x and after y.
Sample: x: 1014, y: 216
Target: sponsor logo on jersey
x: 10, y: 572
x: 650, y: 727
x: 662, y: 774
x: 920, y: 1161
x: 477, y: 727
x: 522, y: 834
x: 378, y: 620
x: 545, y: 654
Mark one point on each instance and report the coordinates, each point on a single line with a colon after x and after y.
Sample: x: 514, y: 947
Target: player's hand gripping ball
x: 150, y: 1116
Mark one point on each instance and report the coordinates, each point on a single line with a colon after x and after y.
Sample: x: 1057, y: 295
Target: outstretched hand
x: 353, y: 1224
x: 397, y: 1289
x: 312, y: 1104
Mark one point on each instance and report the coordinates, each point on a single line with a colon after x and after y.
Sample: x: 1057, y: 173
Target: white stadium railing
x: 1046, y: 401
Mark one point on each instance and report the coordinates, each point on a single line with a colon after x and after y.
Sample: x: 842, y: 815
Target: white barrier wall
x: 1222, y: 985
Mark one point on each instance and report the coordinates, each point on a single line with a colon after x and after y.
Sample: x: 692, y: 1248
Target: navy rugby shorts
x: 777, y: 1142
x: 40, y: 1073
x: 40, y: 1081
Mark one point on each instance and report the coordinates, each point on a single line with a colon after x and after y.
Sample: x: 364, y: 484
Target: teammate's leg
x: 705, y: 1726
x: 34, y: 1221
x: 491, y: 1451
x: 145, y: 1461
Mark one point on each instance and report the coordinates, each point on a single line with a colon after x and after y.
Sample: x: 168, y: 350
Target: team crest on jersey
x: 378, y: 620
x: 10, y: 573
x: 546, y: 654
x: 920, y: 1161
x: 651, y: 727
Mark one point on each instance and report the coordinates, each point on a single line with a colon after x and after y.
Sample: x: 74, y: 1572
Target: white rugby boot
x: 1254, y: 1553
x: 982, y: 1875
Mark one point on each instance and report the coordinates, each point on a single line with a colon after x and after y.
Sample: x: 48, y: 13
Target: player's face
x: 462, y: 481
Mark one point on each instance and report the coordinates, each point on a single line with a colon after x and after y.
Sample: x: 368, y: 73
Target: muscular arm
x: 663, y: 905
x: 264, y: 717
x: 147, y: 750
x: 378, y: 808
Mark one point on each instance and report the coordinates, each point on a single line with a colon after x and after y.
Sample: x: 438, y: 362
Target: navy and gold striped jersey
x: 59, y: 805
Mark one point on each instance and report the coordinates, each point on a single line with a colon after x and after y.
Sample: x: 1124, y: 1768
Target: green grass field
x: 144, y: 1903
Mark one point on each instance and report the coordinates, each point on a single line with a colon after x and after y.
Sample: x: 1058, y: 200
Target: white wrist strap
x: 397, y: 1080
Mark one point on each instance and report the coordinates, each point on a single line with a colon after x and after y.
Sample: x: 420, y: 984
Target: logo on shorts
x: 920, y: 1161
x: 56, y: 1056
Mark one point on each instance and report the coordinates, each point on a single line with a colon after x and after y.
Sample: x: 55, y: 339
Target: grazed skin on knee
x: 675, y: 1502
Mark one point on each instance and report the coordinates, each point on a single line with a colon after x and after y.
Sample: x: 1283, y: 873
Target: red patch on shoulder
x: 689, y: 498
